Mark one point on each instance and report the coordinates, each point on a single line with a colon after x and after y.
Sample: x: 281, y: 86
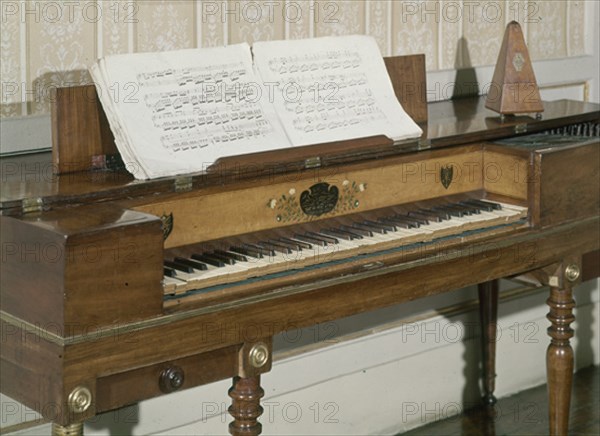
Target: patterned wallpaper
x: 46, y: 43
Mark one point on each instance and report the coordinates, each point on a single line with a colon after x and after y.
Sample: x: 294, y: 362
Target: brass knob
x: 171, y: 379
x: 572, y: 272
x: 79, y: 399
x: 259, y: 355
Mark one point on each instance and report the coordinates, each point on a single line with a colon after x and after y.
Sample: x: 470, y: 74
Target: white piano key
x: 321, y: 254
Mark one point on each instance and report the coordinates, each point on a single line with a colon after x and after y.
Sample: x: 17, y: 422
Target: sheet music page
x: 332, y: 88
x: 177, y: 112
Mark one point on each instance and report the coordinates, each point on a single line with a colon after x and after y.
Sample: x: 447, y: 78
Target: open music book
x: 177, y: 112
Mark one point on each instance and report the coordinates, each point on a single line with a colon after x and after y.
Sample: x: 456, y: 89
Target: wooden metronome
x: 514, y: 89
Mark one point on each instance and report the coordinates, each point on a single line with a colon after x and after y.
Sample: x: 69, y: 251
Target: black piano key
x: 361, y: 231
x: 482, y: 203
x: 232, y: 255
x: 355, y: 235
x: 247, y: 251
x: 440, y: 213
x: 479, y: 206
x: 208, y: 259
x: 223, y: 258
x: 179, y: 266
x: 402, y: 222
x: 304, y: 244
x: 193, y: 263
x: 425, y: 216
x: 451, y: 211
x: 373, y: 229
x: 169, y: 272
x: 386, y: 226
x: 288, y: 245
x: 466, y: 209
x: 274, y: 247
x: 327, y: 238
x: 280, y: 247
x: 310, y: 239
x: 420, y: 220
x: 471, y: 209
x: 294, y: 245
x: 265, y: 251
x: 486, y: 204
x: 341, y: 234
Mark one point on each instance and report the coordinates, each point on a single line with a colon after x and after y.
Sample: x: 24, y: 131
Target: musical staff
x: 192, y: 107
x: 333, y: 88
x: 209, y: 106
x: 335, y: 92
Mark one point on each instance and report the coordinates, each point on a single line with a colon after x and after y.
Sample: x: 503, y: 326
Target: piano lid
x: 29, y: 182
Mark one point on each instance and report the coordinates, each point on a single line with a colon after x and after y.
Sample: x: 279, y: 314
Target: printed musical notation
x: 329, y: 60
x: 334, y: 88
x: 200, y: 107
x: 195, y: 106
x: 215, y: 74
x: 331, y: 90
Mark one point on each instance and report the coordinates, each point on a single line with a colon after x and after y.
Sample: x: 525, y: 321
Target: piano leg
x: 245, y: 407
x: 67, y: 430
x: 488, y: 315
x: 559, y: 357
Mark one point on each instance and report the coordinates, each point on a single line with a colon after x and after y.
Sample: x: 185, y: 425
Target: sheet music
x: 332, y: 88
x: 177, y: 112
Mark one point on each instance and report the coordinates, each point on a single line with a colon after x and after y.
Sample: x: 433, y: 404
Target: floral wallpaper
x: 48, y: 43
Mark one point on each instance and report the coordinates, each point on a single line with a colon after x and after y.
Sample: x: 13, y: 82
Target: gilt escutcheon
x: 446, y: 175
x: 167, y: 224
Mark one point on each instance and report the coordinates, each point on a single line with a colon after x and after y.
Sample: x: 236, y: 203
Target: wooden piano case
x: 88, y: 326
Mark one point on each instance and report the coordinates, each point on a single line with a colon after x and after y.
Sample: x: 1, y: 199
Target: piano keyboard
x: 307, y: 244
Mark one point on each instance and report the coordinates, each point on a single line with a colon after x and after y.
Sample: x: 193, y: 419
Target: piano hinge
x: 521, y: 128
x: 29, y: 205
x: 312, y: 162
x: 183, y: 184
x: 372, y: 266
x: 424, y: 144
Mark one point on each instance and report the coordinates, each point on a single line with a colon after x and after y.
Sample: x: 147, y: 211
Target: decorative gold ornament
x: 258, y: 355
x: 80, y: 399
x: 572, y: 272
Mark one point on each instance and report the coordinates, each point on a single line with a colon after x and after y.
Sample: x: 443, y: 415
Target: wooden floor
x: 526, y: 413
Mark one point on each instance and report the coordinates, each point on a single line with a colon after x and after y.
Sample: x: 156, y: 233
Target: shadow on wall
x: 465, y: 82
x: 38, y: 96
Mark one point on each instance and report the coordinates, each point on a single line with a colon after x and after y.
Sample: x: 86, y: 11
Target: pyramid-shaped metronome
x: 514, y: 89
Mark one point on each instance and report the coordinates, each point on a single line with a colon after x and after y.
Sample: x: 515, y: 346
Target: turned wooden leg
x: 488, y: 315
x: 67, y: 430
x: 559, y: 358
x: 245, y: 407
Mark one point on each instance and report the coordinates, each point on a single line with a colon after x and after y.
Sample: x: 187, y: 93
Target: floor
x: 526, y: 413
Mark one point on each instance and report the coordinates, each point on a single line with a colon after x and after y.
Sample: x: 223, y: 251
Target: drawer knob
x: 171, y: 379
